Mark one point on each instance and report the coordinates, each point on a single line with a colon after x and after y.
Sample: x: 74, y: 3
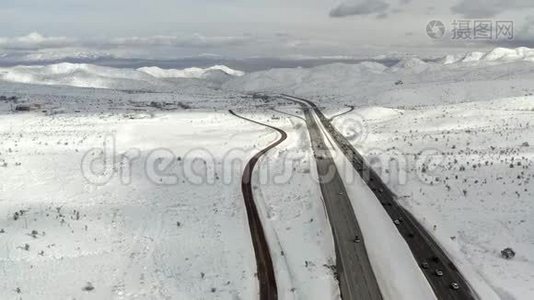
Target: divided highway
x: 356, y: 277
x: 443, y: 276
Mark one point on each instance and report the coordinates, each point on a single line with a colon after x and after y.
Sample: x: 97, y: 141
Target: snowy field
x: 466, y: 174
x: 150, y: 234
x: 459, y: 130
x: 454, y: 137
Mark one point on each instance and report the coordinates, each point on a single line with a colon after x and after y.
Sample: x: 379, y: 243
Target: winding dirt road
x: 351, y: 108
x: 264, y: 262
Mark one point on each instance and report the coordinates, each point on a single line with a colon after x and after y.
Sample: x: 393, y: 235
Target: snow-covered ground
x: 144, y: 233
x: 469, y: 180
x: 460, y: 131
x: 459, y: 127
x: 396, y: 270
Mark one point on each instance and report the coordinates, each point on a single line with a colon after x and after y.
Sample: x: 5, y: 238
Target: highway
x: 355, y: 274
x: 445, y: 279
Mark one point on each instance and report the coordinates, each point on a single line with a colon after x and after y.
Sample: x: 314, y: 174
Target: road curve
x: 443, y: 276
x: 264, y: 262
x: 351, y: 108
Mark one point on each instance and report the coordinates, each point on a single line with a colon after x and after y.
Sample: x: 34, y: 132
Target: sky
x: 248, y: 28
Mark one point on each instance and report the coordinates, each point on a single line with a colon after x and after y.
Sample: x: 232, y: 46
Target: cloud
x: 477, y: 8
x: 382, y: 16
x: 34, y: 41
x: 37, y: 41
x: 195, y: 40
x: 489, y: 8
x: 359, y: 7
x: 38, y: 47
x: 76, y: 54
x: 524, y: 35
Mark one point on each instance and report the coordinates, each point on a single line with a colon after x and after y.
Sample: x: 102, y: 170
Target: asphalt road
x: 264, y: 262
x: 444, y: 278
x: 355, y: 274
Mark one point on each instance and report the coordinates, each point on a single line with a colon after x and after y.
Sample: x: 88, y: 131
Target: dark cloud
x: 476, y: 8
x: 357, y: 7
x: 523, y: 35
x: 489, y: 8
x: 382, y: 16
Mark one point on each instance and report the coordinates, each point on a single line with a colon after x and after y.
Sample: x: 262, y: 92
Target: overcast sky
x: 238, y: 28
